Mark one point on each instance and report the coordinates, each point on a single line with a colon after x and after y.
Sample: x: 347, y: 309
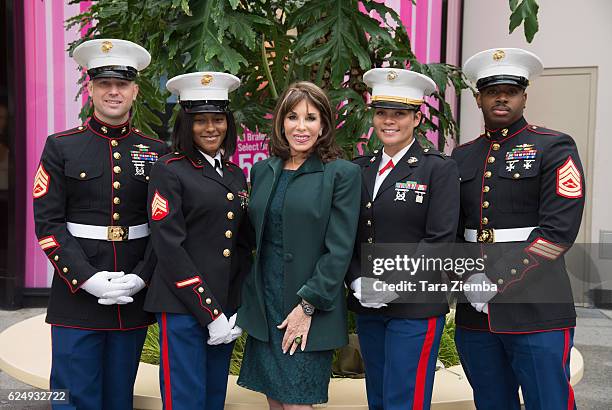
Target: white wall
x: 572, y: 34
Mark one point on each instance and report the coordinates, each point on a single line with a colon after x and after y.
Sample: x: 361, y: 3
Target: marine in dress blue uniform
x: 90, y: 194
x: 197, y: 211
x: 522, y: 196
x: 409, y: 197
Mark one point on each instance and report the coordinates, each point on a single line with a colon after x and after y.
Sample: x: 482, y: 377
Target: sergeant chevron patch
x: 569, y: 180
x: 159, y: 207
x: 41, y: 182
x: 548, y: 250
x: 48, y: 242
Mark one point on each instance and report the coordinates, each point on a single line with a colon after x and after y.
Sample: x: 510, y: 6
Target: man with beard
x: 90, y: 210
x: 522, y: 196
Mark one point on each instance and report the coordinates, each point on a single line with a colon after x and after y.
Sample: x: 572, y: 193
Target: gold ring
x: 297, y: 340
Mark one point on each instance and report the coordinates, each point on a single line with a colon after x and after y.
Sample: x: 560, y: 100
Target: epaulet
x: 141, y: 134
x: 171, y: 157
x: 230, y: 163
x: 431, y: 151
x: 543, y: 131
x: 76, y: 130
x: 470, y: 142
x: 364, y: 159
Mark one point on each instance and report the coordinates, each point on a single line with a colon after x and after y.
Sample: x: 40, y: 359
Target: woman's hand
x: 296, y: 324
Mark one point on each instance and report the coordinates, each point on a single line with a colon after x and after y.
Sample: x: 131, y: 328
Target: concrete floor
x: 593, y: 338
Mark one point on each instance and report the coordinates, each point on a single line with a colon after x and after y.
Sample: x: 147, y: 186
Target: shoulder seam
x: 69, y: 132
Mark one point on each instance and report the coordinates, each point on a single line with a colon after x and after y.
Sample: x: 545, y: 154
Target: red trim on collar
x: 125, y: 124
x: 107, y: 137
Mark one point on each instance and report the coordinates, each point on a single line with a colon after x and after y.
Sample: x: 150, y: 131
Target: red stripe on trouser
x: 166, y: 360
x: 419, y: 387
x: 566, y: 351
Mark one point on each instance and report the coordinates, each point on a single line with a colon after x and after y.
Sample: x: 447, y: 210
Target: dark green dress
x: 299, y: 379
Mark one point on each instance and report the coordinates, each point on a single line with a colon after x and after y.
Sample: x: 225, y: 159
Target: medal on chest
x: 521, y: 155
x: 140, y: 157
x: 401, y: 188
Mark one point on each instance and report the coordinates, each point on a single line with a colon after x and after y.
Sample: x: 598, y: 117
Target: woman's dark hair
x: 326, y: 147
x: 182, y: 135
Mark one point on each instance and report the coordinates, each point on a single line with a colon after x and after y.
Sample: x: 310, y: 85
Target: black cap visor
x: 194, y: 107
x: 392, y: 105
x: 502, y: 79
x: 113, y: 71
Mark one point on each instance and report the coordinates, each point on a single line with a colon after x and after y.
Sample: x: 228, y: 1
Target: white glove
x: 481, y: 297
x: 371, y: 298
x: 218, y: 330
x: 123, y: 296
x: 235, y: 331
x: 100, y: 283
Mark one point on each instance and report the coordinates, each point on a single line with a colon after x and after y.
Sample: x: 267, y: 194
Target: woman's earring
x: 320, y: 132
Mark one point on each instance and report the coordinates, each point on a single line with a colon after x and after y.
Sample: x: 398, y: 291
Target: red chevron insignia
x: 159, y: 207
x: 41, y: 182
x: 569, y: 180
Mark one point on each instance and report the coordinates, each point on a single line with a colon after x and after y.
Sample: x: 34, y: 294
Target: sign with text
x: 250, y: 149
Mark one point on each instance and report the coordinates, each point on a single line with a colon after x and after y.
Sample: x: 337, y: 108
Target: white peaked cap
x: 499, y: 65
x: 201, y: 86
x: 104, y: 52
x: 398, y: 85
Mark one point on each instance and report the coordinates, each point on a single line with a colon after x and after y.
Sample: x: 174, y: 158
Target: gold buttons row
x: 230, y: 215
x: 227, y: 253
x: 230, y: 196
x: 114, y: 143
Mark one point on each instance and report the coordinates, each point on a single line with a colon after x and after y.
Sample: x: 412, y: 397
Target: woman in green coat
x: 304, y: 206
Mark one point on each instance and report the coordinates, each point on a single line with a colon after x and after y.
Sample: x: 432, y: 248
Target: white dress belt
x: 490, y: 235
x: 108, y: 233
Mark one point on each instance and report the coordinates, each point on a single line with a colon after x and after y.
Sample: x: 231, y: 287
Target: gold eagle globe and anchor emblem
x: 206, y: 79
x: 499, y: 55
x: 106, y: 46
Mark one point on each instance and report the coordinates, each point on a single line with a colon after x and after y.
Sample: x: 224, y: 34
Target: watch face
x: 307, y: 308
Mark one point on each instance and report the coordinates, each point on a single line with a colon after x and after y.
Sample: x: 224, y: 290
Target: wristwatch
x: 307, y: 308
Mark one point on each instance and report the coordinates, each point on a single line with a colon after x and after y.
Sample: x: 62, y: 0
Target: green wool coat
x: 320, y: 215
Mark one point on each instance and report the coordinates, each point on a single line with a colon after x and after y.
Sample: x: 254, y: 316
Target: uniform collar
x: 105, y: 130
x: 397, y: 157
x: 503, y: 133
x: 211, y: 160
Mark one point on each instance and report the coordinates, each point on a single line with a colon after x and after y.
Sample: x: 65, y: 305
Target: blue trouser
x: 192, y: 374
x: 97, y: 367
x: 400, y: 360
x: 497, y: 364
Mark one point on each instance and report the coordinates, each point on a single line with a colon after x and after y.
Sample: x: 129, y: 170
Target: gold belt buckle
x: 486, y: 235
x: 118, y: 233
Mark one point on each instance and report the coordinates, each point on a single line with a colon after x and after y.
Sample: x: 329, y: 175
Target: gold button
x: 81, y: 128
x: 495, y: 147
x: 136, y: 130
x: 74, y: 281
x: 500, y: 281
x: 56, y: 258
x: 369, y: 205
x: 65, y: 269
x: 370, y: 258
x: 370, y: 240
x: 116, y: 201
x: 147, y: 177
x: 201, y: 289
x: 369, y: 223
x: 485, y: 204
x: 215, y: 312
x: 485, y: 256
x: 525, y: 261
x: 228, y: 234
x: 491, y: 160
x: 486, y: 188
x: 504, y: 132
x: 485, y: 220
x: 230, y: 196
x: 82, y: 175
x: 114, y: 143
x: 117, y: 169
x: 116, y: 184
x: 230, y: 215
x: 117, y: 155
x: 116, y: 216
x: 512, y: 271
x: 516, y: 175
x: 226, y: 253
x: 208, y: 301
x: 487, y: 174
